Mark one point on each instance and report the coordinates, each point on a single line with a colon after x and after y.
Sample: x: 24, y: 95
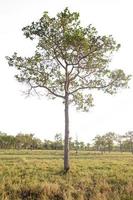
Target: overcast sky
x: 46, y: 117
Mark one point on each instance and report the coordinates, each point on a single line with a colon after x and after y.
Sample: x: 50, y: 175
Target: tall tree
x: 69, y: 62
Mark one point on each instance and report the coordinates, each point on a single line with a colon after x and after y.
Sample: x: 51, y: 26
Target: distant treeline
x: 105, y: 143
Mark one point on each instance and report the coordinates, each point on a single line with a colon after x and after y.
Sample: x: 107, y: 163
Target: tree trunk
x: 66, y: 142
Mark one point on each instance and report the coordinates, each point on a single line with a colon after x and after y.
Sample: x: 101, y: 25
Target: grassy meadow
x: 38, y: 175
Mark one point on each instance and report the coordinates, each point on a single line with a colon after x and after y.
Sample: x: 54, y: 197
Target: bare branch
x: 49, y: 90
x: 30, y: 89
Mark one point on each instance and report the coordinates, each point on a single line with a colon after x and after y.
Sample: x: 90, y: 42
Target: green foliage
x: 20, y: 141
x: 104, y: 143
x: 69, y: 59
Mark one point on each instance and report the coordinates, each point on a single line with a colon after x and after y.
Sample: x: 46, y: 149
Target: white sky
x: 46, y: 117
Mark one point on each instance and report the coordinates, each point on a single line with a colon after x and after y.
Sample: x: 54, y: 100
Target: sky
x: 45, y: 117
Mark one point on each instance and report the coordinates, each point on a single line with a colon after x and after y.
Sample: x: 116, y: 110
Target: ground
x: 38, y: 175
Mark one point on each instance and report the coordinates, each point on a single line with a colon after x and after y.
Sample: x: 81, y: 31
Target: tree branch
x: 95, y: 87
x: 34, y: 87
x: 45, y: 87
x: 58, y: 59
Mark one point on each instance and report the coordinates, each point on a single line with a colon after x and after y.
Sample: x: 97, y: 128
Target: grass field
x: 38, y: 175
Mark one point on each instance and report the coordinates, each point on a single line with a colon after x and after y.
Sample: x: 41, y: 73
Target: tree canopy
x: 65, y: 46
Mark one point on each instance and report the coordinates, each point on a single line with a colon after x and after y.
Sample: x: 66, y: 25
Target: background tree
x: 97, y: 142
x: 36, y: 143
x: 76, y: 144
x: 69, y: 62
x: 6, y: 141
x: 129, y: 137
x: 100, y: 143
x: 48, y: 144
x: 26, y: 141
x: 71, y: 144
x: 110, y: 137
x: 87, y: 147
x: 58, y: 141
x: 81, y: 145
x: 119, y: 140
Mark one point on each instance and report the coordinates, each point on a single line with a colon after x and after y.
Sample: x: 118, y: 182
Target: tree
x: 58, y: 141
x: 100, y: 143
x: 81, y: 145
x: 24, y: 141
x: 47, y: 144
x: 129, y: 136
x: 119, y: 140
x: 69, y: 62
x: 36, y: 143
x: 76, y: 144
x: 87, y: 147
x: 109, y: 138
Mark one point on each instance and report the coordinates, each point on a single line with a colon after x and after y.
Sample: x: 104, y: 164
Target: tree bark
x: 66, y: 142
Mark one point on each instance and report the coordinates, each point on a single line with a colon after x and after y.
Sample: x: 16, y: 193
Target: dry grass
x: 38, y: 175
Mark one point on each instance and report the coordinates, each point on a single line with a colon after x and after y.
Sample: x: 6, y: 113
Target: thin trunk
x: 66, y: 142
x: 131, y: 146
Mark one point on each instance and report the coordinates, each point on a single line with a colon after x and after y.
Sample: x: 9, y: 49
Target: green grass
x: 38, y: 175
